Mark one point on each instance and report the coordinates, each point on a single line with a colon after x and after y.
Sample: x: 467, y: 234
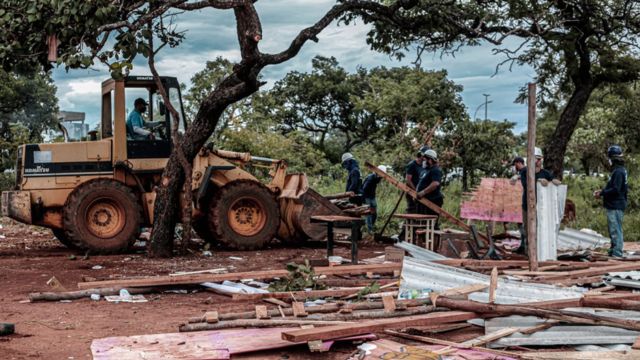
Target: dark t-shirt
x: 415, y: 170
x: 430, y: 175
x: 542, y: 174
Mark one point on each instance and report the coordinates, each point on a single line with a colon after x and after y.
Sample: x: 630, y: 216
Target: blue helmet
x: 614, y: 151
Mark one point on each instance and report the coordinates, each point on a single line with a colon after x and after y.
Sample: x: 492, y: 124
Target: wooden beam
x: 338, y: 331
x: 562, y: 315
x: 403, y: 187
x: 389, y: 304
x: 429, y: 340
x: 591, y: 272
x: 294, y: 294
x: 532, y: 221
x: 265, y: 274
x: 493, y: 285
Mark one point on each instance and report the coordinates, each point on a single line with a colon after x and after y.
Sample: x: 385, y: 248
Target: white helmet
x: 347, y: 156
x: 383, y: 168
x: 538, y: 153
x: 431, y: 154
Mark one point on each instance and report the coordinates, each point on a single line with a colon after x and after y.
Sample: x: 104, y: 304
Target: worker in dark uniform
x: 542, y: 175
x: 413, y: 171
x: 614, y: 196
x: 369, y: 186
x: 430, y: 185
x: 354, y: 182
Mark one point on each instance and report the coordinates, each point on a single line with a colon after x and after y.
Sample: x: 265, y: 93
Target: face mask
x: 424, y: 164
x: 610, y: 162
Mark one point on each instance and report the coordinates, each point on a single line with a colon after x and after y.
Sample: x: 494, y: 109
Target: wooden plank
x: 389, y: 304
x: 402, y: 186
x: 581, y: 355
x: 493, y: 285
x: 266, y: 274
x: 499, y: 334
x: 457, y: 292
x: 211, y: 317
x: 262, y: 312
x: 429, y: 340
x: 201, y: 345
x: 295, y: 294
x: 277, y: 302
x: 298, y: 309
x: 333, y: 332
x: 492, y: 336
x: 593, y: 271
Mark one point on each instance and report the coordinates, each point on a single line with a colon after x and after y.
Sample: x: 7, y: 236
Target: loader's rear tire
x: 59, y: 234
x: 103, y: 216
x: 244, y: 215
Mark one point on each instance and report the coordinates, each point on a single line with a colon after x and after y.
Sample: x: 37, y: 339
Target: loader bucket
x: 297, y: 208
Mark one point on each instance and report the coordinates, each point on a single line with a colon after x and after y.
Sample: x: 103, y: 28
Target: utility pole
x: 532, y: 215
x: 486, y: 106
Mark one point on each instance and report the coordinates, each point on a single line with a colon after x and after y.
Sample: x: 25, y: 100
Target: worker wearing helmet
x: 413, y: 171
x: 354, y: 183
x: 542, y: 175
x: 430, y: 184
x: 369, y: 186
x: 614, y: 197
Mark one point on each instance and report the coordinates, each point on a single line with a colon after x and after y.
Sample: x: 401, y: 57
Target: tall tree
x: 366, y: 106
x: 574, y: 46
x: 28, y: 106
x: 115, y: 32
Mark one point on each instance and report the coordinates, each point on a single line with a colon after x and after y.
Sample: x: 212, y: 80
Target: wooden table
x: 413, y: 222
x: 355, y: 223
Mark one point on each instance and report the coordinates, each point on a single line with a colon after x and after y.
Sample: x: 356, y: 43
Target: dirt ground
x: 30, y: 256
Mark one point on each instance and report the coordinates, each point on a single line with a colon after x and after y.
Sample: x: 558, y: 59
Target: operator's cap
x: 517, y: 159
x: 140, y: 101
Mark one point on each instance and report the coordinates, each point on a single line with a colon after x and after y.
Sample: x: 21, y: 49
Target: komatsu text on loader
x: 97, y: 195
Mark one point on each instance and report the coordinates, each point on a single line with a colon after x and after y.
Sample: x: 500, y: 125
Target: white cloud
x: 212, y: 33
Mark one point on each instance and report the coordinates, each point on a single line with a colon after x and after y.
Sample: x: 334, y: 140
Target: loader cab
x: 144, y: 153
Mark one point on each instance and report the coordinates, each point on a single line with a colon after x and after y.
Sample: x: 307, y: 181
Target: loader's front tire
x: 103, y: 216
x: 59, y: 234
x: 244, y: 215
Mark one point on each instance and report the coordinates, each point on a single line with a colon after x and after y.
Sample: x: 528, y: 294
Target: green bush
x: 7, y: 181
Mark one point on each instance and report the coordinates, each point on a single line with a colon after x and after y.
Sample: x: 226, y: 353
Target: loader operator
x: 135, y: 122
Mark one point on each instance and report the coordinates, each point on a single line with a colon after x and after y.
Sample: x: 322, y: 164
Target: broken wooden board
x: 364, y: 327
x: 494, y: 200
x: 391, y: 350
x: 201, y: 345
x: 266, y: 274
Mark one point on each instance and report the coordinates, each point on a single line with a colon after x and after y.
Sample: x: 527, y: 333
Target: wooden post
x: 531, y: 182
x: 403, y: 187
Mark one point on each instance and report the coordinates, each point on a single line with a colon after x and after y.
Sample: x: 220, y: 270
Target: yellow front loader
x: 97, y: 195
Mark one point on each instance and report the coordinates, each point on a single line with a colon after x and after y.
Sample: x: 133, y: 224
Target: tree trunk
x: 585, y: 165
x: 465, y: 180
x: 556, y: 146
x: 167, y: 194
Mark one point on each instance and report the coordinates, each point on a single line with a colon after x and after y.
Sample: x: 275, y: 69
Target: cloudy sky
x: 211, y: 33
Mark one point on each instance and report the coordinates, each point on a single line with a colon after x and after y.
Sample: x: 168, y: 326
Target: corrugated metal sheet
x: 571, y: 240
x: 562, y: 334
x: 419, y: 275
x: 550, y: 206
x: 630, y: 279
x: 420, y: 253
